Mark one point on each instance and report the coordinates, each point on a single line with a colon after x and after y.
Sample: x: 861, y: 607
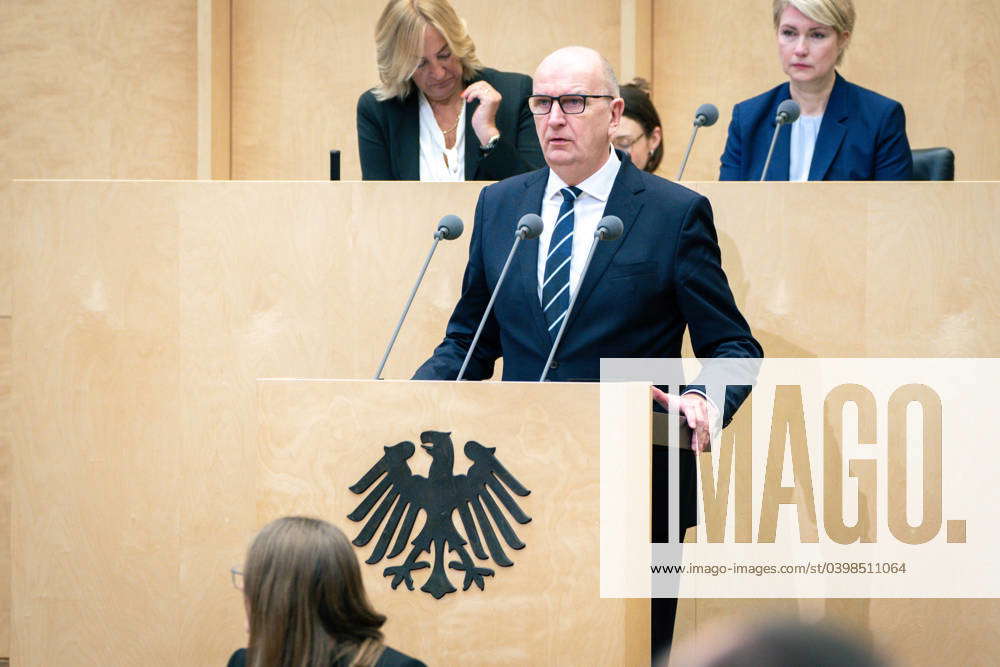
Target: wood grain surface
x: 6, y: 403
x: 145, y: 311
x: 106, y: 89
x: 96, y: 469
x: 318, y: 438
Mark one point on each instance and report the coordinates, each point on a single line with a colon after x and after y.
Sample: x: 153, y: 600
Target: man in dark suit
x: 642, y: 290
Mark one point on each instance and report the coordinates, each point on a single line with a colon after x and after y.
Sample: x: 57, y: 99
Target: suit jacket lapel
x: 526, y: 261
x: 472, y: 156
x: 409, y: 138
x: 831, y: 130
x: 623, y: 203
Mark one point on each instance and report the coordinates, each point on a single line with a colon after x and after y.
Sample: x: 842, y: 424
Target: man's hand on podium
x: 701, y: 414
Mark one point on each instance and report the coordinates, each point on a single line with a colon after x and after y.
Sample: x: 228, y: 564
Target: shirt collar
x: 598, y: 185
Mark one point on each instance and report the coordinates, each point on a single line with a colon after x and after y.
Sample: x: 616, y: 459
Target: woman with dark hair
x: 639, y: 132
x: 306, y: 604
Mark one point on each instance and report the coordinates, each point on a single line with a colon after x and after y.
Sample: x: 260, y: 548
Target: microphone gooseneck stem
x: 770, y: 151
x: 687, y: 153
x: 468, y: 355
x: 406, y: 308
x: 569, y: 309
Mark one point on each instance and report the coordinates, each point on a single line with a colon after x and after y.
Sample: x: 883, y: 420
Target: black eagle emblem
x: 440, y: 495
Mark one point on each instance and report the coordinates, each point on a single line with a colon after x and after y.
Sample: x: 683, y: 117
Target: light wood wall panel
x: 318, y: 438
x: 214, y: 94
x: 104, y: 89
x: 6, y: 250
x: 6, y: 401
x: 936, y: 59
x: 299, y: 68
x: 285, y: 280
x: 96, y: 430
x: 145, y: 311
x: 98, y: 89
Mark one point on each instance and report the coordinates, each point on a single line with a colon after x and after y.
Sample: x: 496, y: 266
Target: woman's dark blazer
x: 390, y: 658
x: 862, y: 138
x: 389, y: 134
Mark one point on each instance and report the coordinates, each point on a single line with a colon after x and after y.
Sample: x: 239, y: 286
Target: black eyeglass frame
x: 559, y: 100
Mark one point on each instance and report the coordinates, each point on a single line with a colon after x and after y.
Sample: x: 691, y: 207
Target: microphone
x: 788, y: 112
x: 705, y: 116
x: 608, y: 229
x: 450, y: 227
x: 528, y: 227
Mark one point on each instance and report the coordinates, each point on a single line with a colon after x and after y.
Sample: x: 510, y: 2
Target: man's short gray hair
x: 609, y: 78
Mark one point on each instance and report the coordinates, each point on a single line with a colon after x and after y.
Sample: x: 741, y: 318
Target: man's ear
x: 617, y: 109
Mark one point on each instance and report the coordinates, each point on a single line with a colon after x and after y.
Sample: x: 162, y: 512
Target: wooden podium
x: 320, y: 437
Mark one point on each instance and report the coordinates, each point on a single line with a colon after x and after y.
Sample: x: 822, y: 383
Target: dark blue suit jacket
x: 862, y: 138
x: 662, y: 275
x: 642, y: 290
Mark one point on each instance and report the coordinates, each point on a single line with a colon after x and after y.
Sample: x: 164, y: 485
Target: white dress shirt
x: 800, y: 155
x: 433, y: 154
x: 588, y: 211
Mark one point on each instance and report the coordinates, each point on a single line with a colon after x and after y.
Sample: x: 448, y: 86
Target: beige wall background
x: 134, y: 373
x: 102, y: 89
x: 937, y: 59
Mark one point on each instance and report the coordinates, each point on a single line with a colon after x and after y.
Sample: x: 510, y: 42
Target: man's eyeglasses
x: 541, y: 105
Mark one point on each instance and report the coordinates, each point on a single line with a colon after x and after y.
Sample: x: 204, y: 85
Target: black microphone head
x: 450, y: 227
x: 706, y: 115
x: 609, y: 228
x: 530, y: 226
x: 788, y: 112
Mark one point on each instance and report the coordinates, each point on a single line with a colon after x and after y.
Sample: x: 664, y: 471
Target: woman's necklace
x: 454, y: 127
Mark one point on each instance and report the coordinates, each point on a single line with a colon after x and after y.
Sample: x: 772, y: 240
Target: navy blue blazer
x: 862, y: 138
x: 389, y: 134
x: 663, y: 274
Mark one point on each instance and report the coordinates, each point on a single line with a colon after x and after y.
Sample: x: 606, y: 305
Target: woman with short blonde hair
x: 844, y: 132
x: 838, y: 14
x: 438, y: 114
x: 306, y: 604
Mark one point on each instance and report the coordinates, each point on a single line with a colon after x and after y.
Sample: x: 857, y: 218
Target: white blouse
x: 800, y: 156
x: 438, y: 163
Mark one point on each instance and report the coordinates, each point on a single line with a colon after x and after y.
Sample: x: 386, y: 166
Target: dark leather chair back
x: 933, y: 164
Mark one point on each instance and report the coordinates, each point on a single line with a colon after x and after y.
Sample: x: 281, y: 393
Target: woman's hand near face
x: 484, y: 118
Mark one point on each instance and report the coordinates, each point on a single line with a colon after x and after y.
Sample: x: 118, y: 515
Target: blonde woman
x: 844, y: 133
x: 438, y: 113
x: 306, y: 604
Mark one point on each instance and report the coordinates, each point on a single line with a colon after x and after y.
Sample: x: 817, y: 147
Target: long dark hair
x: 305, y: 599
x: 639, y: 107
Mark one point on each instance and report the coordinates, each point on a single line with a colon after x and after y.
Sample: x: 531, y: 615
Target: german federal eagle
x: 439, y: 495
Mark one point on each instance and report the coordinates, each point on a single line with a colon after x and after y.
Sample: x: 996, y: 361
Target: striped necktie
x: 555, y: 288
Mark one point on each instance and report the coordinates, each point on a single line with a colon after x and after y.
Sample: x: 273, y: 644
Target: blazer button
x: 554, y: 365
